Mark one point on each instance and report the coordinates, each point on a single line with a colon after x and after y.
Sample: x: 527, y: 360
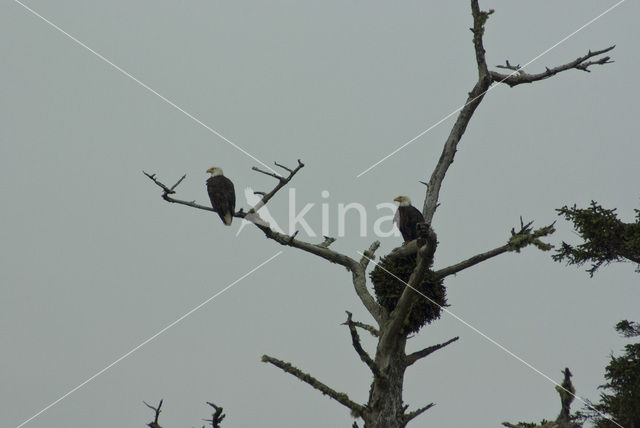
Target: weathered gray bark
x: 385, y: 406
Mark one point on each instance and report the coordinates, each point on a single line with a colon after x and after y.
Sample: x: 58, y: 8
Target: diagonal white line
x: 148, y: 340
x: 488, y: 338
x: 490, y: 88
x: 147, y: 87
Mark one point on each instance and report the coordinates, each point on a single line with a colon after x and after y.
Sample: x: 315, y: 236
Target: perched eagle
x: 222, y: 194
x: 407, y: 219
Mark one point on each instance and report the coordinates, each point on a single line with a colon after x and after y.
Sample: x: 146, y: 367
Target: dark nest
x: 389, y: 288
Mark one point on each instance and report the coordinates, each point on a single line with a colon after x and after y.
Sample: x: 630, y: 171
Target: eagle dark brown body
x: 222, y: 195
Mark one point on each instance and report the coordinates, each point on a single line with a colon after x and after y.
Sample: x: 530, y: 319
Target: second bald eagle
x: 222, y: 194
x: 407, y: 218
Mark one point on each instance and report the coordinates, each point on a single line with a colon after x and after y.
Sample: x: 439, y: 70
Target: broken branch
x: 412, y: 358
x: 355, y: 341
x: 340, y: 397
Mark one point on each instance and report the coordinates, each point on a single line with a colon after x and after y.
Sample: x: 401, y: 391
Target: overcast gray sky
x: 93, y: 262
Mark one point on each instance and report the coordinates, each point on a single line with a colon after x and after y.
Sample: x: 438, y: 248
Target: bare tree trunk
x: 386, y: 408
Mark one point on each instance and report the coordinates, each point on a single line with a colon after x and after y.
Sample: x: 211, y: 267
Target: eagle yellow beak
x: 397, y: 199
x: 210, y: 170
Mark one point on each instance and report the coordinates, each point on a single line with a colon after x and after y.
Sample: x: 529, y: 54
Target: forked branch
x: 167, y: 191
x: 157, y: 411
x: 519, y: 76
x: 282, y: 181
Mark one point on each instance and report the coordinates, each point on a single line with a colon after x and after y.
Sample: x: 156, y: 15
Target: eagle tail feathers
x: 227, y: 219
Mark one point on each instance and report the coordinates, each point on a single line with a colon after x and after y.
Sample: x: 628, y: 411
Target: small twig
x: 217, y: 417
x: 508, y: 66
x: 177, y: 183
x: 153, y: 178
x: 259, y: 193
x: 371, y: 329
x: 157, y: 411
x: 418, y: 412
x: 271, y: 174
x: 284, y: 167
x: 328, y: 240
x: 293, y: 237
x: 282, y: 181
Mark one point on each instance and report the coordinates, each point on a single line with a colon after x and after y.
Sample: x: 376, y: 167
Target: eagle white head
x: 214, y: 170
x: 403, y: 201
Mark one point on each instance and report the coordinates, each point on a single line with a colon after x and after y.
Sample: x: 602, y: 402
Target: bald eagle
x: 222, y: 194
x: 407, y: 219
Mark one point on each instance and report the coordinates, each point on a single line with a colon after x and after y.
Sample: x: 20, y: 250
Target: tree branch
x: 355, y: 341
x: 371, y: 329
x: 157, y: 411
x: 342, y: 398
x: 479, y: 19
x: 411, y: 415
x: 473, y: 101
x: 519, y: 76
x: 524, y: 237
x: 359, y: 279
x: 412, y: 358
x: 319, y: 250
x: 471, y: 261
x: 166, y: 191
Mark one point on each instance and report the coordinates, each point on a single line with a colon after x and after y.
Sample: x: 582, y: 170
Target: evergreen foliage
x: 606, y: 238
x: 620, y: 399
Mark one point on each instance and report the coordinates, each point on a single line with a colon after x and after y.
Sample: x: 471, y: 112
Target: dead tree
x: 385, y: 407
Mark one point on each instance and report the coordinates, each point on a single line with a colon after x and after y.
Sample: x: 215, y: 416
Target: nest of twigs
x: 390, y: 277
